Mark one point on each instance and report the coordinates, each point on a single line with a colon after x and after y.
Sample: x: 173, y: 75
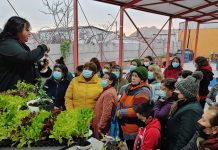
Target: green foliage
x: 30, y: 134
x: 64, y: 47
x: 72, y: 124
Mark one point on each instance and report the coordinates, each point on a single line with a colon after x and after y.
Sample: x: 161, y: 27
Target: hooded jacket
x: 148, y: 138
x: 207, y: 77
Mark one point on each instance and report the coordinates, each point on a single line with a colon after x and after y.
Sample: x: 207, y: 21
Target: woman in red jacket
x: 174, y: 69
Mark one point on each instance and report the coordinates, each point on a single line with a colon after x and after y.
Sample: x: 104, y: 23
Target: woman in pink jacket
x: 105, y: 106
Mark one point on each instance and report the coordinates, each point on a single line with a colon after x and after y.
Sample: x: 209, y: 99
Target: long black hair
x: 171, y: 66
x: 14, y: 26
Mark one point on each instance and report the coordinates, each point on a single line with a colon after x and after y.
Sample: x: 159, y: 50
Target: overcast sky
x: 96, y: 13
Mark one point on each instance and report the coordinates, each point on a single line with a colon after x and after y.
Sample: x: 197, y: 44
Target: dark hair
x: 150, y: 58
x: 108, y: 64
x: 96, y: 61
x: 214, y: 120
x: 92, y: 66
x: 201, y: 61
x: 112, y: 77
x: 63, y: 68
x: 171, y: 66
x: 186, y: 73
x: 60, y: 61
x: 169, y: 83
x: 14, y: 26
x: 80, y: 68
x: 145, y: 109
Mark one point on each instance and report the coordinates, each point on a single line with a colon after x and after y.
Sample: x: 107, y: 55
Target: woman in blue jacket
x: 57, y: 85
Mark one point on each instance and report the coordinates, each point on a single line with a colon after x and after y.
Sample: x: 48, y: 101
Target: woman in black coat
x: 184, y: 115
x: 57, y: 85
x: 17, y: 61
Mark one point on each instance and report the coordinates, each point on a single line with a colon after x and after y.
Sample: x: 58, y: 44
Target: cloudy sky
x: 96, y: 13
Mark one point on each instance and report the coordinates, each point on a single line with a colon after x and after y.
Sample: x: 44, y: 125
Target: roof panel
x: 184, y: 9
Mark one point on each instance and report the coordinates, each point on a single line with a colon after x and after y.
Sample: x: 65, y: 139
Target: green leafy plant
x: 32, y: 133
x: 72, y: 124
x: 64, y: 47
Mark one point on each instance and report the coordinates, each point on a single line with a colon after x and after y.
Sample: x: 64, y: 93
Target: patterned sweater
x: 131, y: 97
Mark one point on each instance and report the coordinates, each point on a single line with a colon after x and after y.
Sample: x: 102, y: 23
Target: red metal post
x: 75, y: 45
x: 184, y: 41
x: 168, y: 43
x: 121, y: 38
x: 196, y: 41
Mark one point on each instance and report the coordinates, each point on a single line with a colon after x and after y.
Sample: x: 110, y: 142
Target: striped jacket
x: 131, y: 97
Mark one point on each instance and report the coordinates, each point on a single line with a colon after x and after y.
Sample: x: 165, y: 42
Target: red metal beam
x: 121, y: 37
x: 208, y: 13
x: 154, y: 38
x: 196, y: 41
x: 168, y: 43
x: 197, y: 8
x: 142, y: 35
x: 75, y: 45
x: 157, y: 3
x: 130, y: 4
x: 203, y: 21
x: 184, y: 41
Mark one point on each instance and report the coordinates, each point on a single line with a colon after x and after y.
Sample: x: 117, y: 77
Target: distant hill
x: 147, y: 32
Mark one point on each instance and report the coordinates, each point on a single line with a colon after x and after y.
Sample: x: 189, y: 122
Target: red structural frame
x: 213, y: 15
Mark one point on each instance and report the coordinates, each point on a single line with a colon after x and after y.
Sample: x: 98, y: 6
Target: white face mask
x: 217, y: 98
x: 105, y: 70
x: 146, y: 63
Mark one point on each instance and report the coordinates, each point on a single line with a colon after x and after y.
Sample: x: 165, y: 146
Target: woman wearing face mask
x: 84, y: 90
x: 133, y: 65
x: 105, y: 106
x: 99, y: 69
x: 155, y: 76
x: 203, y: 65
x: 57, y: 85
x: 134, y: 94
x: 17, y: 61
x: 184, y: 114
x: 107, y: 67
x: 174, y: 69
x: 147, y: 61
x: 149, y: 136
x: 163, y: 104
x: 118, y: 71
x: 206, y: 137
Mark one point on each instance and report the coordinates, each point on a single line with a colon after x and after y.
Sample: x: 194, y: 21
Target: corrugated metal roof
x: 192, y: 10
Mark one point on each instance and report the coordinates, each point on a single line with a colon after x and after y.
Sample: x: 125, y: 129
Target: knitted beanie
x: 142, y: 72
x: 138, y: 61
x: 189, y: 86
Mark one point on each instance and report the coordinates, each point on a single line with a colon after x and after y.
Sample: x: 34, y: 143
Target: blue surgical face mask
x: 57, y: 75
x: 104, y: 83
x: 150, y: 75
x: 175, y: 65
x: 87, y: 74
x: 132, y: 67
x: 162, y: 93
x: 117, y: 74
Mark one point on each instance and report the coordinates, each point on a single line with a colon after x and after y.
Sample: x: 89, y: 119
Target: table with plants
x: 22, y: 125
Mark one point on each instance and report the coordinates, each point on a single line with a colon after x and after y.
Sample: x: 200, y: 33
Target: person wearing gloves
x: 85, y: 89
x: 184, y: 114
x: 17, y: 61
x: 133, y: 65
x: 174, y: 69
x: 105, y: 106
x: 56, y: 86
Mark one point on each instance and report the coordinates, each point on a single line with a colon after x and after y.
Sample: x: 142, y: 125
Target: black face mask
x: 200, y: 130
x: 140, y: 123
